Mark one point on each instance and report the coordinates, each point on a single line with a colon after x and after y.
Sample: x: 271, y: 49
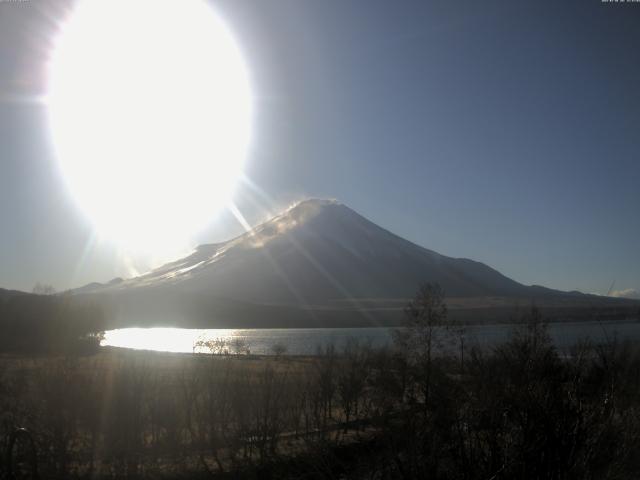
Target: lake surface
x: 305, y: 341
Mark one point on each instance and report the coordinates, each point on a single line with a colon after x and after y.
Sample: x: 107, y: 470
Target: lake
x: 305, y: 341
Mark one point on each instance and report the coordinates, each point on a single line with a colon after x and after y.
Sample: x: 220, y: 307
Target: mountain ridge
x: 317, y: 263
x: 298, y: 215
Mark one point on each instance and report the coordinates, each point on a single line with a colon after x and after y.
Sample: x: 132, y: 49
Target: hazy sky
x: 503, y: 131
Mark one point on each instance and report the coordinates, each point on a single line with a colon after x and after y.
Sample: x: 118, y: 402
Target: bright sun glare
x: 150, y: 110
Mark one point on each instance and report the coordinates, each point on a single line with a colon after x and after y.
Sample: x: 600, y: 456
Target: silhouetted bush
x: 50, y: 323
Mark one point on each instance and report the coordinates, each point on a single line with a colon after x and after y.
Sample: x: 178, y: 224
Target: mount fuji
x: 319, y: 263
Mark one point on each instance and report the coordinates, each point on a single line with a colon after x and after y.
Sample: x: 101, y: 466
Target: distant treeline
x: 49, y: 323
x: 520, y: 410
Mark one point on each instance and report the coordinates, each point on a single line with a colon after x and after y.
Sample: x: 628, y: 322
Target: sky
x: 502, y: 131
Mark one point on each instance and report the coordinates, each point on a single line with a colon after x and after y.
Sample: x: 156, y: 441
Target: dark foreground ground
x: 517, y: 411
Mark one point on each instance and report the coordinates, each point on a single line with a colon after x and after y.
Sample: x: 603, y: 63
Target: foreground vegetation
x: 414, y: 410
x: 47, y: 323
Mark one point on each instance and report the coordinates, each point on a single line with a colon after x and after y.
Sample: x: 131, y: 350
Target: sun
x: 150, y: 109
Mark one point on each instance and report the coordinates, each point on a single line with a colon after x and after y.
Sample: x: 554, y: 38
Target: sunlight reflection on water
x: 162, y: 339
x: 305, y: 341
x: 298, y: 341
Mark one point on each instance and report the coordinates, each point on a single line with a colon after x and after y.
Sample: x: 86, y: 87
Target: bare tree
x: 425, y: 324
x: 278, y: 349
x: 352, y: 378
x: 215, y: 346
x: 43, y: 289
x: 239, y: 346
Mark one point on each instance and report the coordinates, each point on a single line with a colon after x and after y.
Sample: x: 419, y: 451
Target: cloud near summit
x: 627, y: 293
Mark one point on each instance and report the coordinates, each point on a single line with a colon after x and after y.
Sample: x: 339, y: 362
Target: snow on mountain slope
x: 315, y: 253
